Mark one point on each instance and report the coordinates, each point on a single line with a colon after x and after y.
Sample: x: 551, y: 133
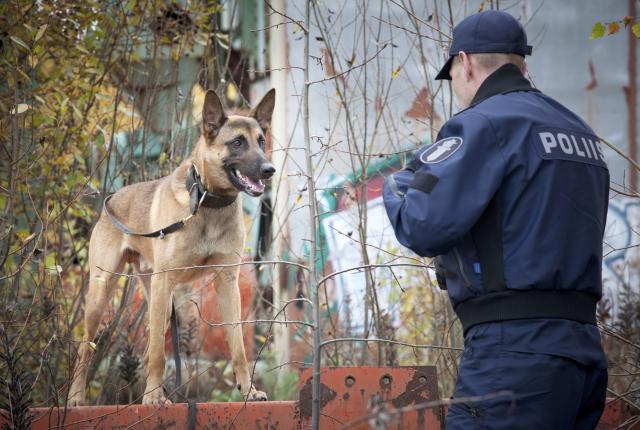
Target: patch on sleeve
x: 441, y: 150
x: 424, y: 182
x: 569, y: 145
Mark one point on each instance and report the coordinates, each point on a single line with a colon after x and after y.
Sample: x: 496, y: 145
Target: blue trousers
x: 503, y: 389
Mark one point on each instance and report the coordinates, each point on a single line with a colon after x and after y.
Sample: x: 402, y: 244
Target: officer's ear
x: 524, y: 68
x: 467, y: 70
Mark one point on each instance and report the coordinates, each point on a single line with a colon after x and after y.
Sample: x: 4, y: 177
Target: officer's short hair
x: 490, y: 61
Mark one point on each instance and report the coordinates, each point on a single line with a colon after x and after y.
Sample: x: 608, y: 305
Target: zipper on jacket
x: 461, y: 267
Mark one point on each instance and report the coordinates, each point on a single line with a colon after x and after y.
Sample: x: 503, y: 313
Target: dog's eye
x: 237, y: 143
x: 261, y: 142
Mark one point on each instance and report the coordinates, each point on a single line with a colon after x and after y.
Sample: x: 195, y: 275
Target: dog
x: 196, y: 213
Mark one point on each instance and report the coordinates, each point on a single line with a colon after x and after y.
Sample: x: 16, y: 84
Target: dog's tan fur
x: 211, y: 237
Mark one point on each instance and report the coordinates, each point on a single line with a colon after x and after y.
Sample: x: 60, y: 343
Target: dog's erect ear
x: 213, y: 116
x: 263, y: 111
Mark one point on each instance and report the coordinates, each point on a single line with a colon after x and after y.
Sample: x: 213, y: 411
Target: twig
x: 422, y: 21
x: 206, y: 266
x: 394, y: 342
x: 429, y: 405
x: 284, y: 15
x: 244, y: 322
x: 337, y: 75
x: 370, y: 266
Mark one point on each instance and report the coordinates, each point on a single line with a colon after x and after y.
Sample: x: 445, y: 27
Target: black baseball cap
x: 488, y: 31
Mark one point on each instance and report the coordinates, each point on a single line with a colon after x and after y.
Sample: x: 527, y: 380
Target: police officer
x: 513, y: 199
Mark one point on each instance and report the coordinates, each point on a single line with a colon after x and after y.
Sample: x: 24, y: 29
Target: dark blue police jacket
x: 513, y: 196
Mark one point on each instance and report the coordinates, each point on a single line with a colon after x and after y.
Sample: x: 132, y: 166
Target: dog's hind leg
x: 226, y: 284
x: 159, y: 314
x: 102, y: 286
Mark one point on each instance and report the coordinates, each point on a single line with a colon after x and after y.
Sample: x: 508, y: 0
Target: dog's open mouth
x: 253, y: 187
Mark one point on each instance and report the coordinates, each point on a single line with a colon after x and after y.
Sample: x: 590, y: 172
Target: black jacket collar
x: 504, y: 80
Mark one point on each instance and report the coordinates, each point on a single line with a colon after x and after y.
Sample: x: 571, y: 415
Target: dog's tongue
x: 256, y: 186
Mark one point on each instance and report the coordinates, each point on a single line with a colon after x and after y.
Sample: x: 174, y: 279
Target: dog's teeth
x: 260, y: 182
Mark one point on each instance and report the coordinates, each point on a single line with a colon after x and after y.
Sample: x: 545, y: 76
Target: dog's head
x: 230, y: 155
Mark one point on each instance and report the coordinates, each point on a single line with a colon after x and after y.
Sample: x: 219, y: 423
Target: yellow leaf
x: 163, y: 158
x: 93, y: 345
x: 597, y: 31
x: 394, y: 74
x: 40, y: 33
x: 636, y: 29
x: 481, y: 8
x: 613, y: 27
x: 298, y: 199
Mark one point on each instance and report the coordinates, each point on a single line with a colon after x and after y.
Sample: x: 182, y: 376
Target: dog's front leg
x: 230, y: 309
x: 159, y: 314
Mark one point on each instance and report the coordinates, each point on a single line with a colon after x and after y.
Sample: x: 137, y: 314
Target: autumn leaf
x: 394, y: 74
x: 627, y: 20
x: 613, y: 27
x: 597, y: 31
x: 481, y: 8
x: 41, y: 31
x: 636, y: 29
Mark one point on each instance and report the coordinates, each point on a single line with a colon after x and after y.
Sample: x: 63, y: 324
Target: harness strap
x: 158, y: 233
x: 175, y: 343
x: 528, y: 304
x: 487, y: 237
x: 192, y: 414
x: 199, y: 196
x: 180, y: 396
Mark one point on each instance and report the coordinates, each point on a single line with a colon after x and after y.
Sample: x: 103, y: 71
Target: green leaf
x: 41, y: 31
x: 19, y: 42
x: 597, y: 31
x: 635, y: 28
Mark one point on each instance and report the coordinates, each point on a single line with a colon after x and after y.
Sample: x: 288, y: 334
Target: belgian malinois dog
x: 202, y: 194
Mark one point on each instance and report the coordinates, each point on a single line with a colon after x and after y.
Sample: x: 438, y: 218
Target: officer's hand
x: 412, y: 165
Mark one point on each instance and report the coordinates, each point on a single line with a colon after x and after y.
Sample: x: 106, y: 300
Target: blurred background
x: 96, y: 95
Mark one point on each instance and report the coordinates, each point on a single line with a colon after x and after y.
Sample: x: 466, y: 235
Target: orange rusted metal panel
x: 616, y: 412
x: 212, y: 341
x: 352, y: 396
x: 209, y: 416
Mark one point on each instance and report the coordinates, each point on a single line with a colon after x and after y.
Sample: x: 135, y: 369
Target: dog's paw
x: 155, y: 397
x: 257, y: 396
x: 76, y: 399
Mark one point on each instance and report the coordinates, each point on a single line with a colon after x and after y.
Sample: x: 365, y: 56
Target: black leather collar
x: 505, y: 79
x: 200, y: 196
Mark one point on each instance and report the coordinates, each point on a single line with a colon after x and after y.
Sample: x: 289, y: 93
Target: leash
x: 198, y: 196
x: 180, y: 396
